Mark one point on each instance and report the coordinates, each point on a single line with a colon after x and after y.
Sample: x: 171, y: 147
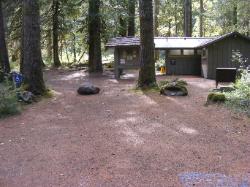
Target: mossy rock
x: 216, y: 97
x: 163, y: 83
x: 173, y: 89
x: 181, y: 83
x: 176, y: 82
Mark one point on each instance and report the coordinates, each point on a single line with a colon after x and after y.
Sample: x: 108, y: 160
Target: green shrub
x: 239, y: 99
x: 9, y: 104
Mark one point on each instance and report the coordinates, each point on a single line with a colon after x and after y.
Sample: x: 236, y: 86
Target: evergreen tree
x: 147, y: 70
x: 4, y: 59
x: 31, y: 49
x: 188, y: 18
x: 94, y: 33
x: 55, y: 8
x: 131, y: 19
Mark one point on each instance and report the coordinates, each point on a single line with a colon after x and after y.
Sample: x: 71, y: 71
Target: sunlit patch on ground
x: 75, y: 75
x: 188, y: 130
x: 131, y: 136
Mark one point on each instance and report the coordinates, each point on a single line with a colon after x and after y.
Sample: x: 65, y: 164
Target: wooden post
x: 116, y: 65
x: 166, y: 60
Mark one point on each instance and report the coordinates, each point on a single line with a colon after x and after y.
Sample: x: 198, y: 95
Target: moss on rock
x: 216, y: 97
x: 174, y: 88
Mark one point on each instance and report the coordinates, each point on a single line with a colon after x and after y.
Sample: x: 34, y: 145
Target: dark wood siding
x: 126, y: 58
x: 130, y: 56
x: 220, y: 53
x: 184, y: 65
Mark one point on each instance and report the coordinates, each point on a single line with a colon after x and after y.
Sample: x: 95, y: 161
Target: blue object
x: 17, y: 79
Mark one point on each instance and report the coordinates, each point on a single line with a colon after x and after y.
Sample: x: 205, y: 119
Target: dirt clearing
x: 124, y: 138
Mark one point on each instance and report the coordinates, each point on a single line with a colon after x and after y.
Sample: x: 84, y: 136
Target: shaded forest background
x: 70, y: 21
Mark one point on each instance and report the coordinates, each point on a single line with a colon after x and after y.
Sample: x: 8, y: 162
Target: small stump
x: 88, y: 89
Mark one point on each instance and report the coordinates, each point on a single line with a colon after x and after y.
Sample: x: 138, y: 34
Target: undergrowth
x: 9, y: 104
x: 239, y: 99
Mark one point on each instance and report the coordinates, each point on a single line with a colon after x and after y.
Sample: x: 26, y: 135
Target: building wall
x: 128, y: 57
x: 182, y: 63
x: 220, y: 53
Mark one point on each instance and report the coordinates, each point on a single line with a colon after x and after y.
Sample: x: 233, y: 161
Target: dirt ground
x: 124, y: 138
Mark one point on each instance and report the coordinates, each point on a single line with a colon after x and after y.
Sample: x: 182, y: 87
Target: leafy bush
x: 8, y: 100
x: 239, y: 99
x: 239, y: 59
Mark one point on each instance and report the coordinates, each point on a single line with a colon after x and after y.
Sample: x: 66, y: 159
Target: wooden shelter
x: 184, y: 55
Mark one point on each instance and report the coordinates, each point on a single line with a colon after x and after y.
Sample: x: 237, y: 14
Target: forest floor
x: 124, y: 137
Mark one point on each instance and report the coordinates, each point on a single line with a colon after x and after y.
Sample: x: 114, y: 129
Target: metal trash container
x: 225, y: 75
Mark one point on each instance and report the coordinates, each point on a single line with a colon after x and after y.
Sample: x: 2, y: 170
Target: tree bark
x: 201, y: 18
x: 31, y: 48
x: 131, y: 19
x: 122, y: 27
x: 94, y: 28
x: 4, y: 58
x: 188, y: 18
x: 175, y: 19
x: 56, y: 59
x: 235, y: 16
x: 147, y: 70
x: 49, y: 45
x: 156, y: 14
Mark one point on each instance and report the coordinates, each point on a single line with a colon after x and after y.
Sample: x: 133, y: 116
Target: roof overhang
x: 163, y: 43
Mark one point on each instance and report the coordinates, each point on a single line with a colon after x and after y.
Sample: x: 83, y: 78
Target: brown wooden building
x: 184, y: 55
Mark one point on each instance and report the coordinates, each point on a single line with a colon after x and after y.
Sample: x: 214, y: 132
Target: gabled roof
x: 123, y: 41
x: 172, y: 42
x: 180, y: 42
x: 223, y: 37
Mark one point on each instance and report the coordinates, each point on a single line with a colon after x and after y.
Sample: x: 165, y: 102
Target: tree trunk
x: 122, y: 27
x: 176, y: 19
x: 31, y: 48
x: 147, y: 70
x: 74, y: 48
x: 4, y: 58
x: 49, y: 46
x: 235, y: 16
x: 95, y: 54
x: 56, y: 59
x: 169, y: 28
x: 188, y: 18
x: 201, y: 18
x: 156, y: 14
x: 131, y: 19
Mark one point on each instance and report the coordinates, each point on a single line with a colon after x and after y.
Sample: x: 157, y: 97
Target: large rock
x: 174, y: 88
x: 88, y: 89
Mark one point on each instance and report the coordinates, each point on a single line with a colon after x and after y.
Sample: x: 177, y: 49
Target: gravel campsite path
x: 124, y: 138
